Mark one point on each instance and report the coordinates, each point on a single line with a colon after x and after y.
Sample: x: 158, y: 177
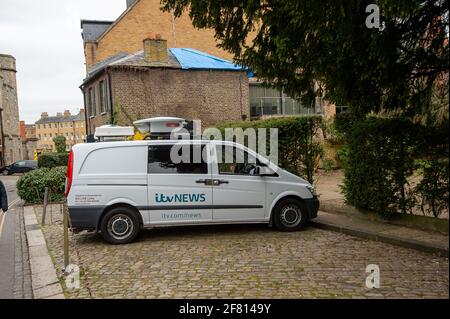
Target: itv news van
x: 119, y: 188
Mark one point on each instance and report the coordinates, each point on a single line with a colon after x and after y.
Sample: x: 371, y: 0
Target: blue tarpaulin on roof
x: 191, y: 59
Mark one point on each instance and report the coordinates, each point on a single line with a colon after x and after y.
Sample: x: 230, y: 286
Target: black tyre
x: 5, y: 172
x: 289, y: 215
x: 120, y: 225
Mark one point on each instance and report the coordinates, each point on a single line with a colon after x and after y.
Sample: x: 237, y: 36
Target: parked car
x: 19, y: 167
x: 118, y: 188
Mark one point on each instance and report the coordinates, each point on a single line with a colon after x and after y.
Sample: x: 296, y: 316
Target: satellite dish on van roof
x: 159, y: 124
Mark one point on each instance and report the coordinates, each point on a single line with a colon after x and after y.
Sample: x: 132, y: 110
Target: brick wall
x: 211, y: 96
x: 144, y: 17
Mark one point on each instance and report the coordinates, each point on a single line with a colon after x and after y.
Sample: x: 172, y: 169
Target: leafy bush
x: 31, y: 186
x: 51, y: 160
x: 331, y: 134
x: 433, y: 188
x: 380, y: 157
x: 328, y: 164
x: 378, y: 162
x: 60, y: 143
x: 298, y: 146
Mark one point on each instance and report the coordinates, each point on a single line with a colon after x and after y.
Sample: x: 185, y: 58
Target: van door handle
x: 220, y: 181
x: 201, y: 181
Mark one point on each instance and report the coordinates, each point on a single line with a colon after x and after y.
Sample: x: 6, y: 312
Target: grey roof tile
x: 93, y: 29
x: 62, y: 118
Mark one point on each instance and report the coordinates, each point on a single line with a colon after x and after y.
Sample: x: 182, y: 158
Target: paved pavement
x: 249, y: 261
x: 15, y: 278
x: 328, y: 185
x: 430, y: 241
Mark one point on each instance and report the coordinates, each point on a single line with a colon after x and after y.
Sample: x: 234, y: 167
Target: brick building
x: 10, y: 144
x: 28, y: 139
x: 104, y: 40
x: 157, y: 81
x: 72, y: 127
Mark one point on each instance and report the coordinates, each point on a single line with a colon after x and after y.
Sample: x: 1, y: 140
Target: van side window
x: 235, y: 161
x: 159, y: 161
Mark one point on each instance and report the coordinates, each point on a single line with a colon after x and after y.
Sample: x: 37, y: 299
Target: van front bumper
x: 312, y: 206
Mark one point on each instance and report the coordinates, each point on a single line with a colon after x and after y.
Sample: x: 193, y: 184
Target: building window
x: 92, y: 109
x: 270, y: 101
x: 94, y: 103
x: 103, y: 102
x: 264, y: 101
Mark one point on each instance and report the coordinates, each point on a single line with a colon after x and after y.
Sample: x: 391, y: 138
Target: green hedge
x: 298, y: 147
x: 31, y: 186
x: 381, y: 156
x: 51, y: 160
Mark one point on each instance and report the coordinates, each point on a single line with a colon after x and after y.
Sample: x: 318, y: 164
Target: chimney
x: 130, y: 3
x: 81, y: 111
x: 66, y: 113
x: 44, y: 115
x: 155, y: 49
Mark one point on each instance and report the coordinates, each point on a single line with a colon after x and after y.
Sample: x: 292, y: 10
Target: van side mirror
x: 264, y: 171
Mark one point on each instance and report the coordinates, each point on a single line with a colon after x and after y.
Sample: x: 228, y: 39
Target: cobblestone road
x: 249, y: 261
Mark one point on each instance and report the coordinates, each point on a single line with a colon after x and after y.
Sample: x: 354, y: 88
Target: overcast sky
x: 45, y: 38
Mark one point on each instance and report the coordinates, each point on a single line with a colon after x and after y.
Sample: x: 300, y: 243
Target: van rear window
x: 191, y: 162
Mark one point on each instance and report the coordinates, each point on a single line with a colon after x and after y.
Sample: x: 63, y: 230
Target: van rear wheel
x: 289, y: 215
x: 120, y: 225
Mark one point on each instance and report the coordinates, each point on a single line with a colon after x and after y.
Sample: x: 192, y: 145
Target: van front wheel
x: 120, y: 225
x: 289, y: 215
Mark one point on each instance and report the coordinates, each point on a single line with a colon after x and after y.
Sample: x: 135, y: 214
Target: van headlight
x: 312, y: 190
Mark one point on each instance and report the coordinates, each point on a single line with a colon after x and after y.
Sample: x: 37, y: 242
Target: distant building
x: 72, y: 127
x: 10, y: 144
x: 29, y: 140
x: 157, y: 81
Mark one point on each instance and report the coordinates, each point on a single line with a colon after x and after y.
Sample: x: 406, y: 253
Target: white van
x: 118, y: 188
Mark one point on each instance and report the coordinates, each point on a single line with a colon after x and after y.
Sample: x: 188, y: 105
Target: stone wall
x: 10, y: 110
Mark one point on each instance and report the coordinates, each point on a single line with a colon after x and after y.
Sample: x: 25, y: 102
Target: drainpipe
x: 86, y: 119
x: 111, y: 107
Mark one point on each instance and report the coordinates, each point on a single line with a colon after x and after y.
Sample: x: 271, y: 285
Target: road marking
x: 14, y: 202
x: 2, y: 222
x: 3, y: 218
